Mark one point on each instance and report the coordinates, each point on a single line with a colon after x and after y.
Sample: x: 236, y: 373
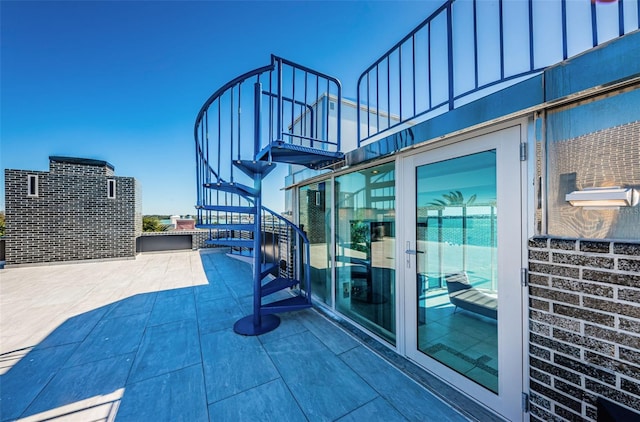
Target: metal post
x: 450, y: 54
x: 257, y: 244
x: 279, y: 117
x: 257, y: 132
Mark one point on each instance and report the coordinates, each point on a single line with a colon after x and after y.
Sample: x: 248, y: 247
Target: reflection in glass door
x: 315, y: 211
x: 461, y: 275
x: 456, y: 265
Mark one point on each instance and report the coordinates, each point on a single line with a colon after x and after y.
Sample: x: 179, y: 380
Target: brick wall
x: 584, y: 340
x: 71, y: 218
x: 80, y: 169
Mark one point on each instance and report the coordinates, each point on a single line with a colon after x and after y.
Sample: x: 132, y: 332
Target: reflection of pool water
x: 479, y: 230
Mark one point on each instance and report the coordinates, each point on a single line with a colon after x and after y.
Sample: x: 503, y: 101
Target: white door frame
x: 511, y: 198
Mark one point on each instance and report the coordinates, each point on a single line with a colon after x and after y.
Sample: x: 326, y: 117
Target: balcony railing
x: 468, y: 47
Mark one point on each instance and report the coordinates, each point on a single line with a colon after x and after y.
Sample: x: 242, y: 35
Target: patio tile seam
x: 289, y: 335
x: 200, y: 334
x: 279, y: 377
x: 160, y: 375
x: 193, y: 292
x: 43, y: 388
x: 379, y: 396
x: 160, y: 324
x: 293, y: 396
x: 135, y: 357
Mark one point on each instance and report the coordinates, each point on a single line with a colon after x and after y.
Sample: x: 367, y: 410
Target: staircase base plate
x: 245, y: 326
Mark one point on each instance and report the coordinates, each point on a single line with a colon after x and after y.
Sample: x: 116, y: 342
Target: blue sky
x: 122, y: 81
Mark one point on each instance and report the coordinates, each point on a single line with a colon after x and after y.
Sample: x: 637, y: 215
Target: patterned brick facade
x: 584, y: 339
x: 71, y: 218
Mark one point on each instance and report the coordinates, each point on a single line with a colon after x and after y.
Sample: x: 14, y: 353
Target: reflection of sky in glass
x: 592, y: 117
x: 471, y: 175
x: 356, y: 183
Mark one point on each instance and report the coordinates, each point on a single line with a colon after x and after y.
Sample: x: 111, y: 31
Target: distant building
x: 185, y: 224
x: 78, y: 210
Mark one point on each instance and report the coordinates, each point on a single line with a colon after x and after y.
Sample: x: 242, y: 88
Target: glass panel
x: 456, y: 229
x: 315, y: 221
x: 593, y: 144
x: 365, y: 243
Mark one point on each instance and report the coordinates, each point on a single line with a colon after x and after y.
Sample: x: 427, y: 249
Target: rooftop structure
x: 78, y: 210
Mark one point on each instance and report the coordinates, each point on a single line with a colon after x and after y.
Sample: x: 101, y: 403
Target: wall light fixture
x: 609, y: 197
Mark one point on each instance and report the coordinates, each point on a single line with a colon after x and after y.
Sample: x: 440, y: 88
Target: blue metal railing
x: 288, y: 241
x: 467, y: 46
x: 291, y: 104
x: 282, y: 103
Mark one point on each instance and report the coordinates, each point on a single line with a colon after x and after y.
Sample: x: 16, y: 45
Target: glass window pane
x: 456, y: 257
x: 315, y: 221
x: 594, y: 144
x: 365, y: 243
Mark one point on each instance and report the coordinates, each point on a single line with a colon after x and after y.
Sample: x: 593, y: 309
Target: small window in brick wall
x: 32, y: 185
x: 111, y: 189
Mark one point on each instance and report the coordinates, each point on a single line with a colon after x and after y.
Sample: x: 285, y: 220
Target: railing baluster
x: 239, y: 117
x: 388, y: 91
x: 368, y: 106
x: 306, y: 75
x: 450, y: 55
x: 400, y: 80
x: 206, y: 130
x: 377, y: 100
x: 231, y: 124
x: 318, y: 124
x: 293, y: 101
x: 327, y: 136
x: 501, y: 18
x: 413, y: 71
x: 475, y: 42
x: 279, y: 134
x: 429, y: 64
x: 621, y: 18
x: 563, y: 5
x: 219, y: 139
x: 270, y: 108
x: 594, y: 25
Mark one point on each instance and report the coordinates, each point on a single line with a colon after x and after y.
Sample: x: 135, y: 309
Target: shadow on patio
x: 172, y: 355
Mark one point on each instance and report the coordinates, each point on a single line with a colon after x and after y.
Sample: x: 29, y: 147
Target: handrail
x: 439, y: 63
x: 305, y: 98
x: 225, y: 88
x: 305, y: 240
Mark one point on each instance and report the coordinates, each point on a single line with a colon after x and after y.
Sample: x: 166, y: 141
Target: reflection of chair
x: 464, y: 295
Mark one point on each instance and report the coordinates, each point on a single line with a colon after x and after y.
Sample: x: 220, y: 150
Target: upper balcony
x: 468, y: 49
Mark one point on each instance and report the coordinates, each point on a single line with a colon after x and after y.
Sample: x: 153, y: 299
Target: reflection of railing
x: 468, y: 46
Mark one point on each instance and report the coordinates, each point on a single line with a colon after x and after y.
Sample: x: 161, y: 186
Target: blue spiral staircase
x: 280, y: 113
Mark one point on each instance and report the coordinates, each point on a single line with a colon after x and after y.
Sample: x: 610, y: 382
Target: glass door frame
x: 511, y: 195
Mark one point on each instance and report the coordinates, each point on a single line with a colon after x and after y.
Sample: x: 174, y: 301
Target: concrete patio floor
x: 151, y: 339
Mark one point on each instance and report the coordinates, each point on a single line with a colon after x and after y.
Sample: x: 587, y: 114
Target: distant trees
x: 2, y: 224
x: 151, y: 223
